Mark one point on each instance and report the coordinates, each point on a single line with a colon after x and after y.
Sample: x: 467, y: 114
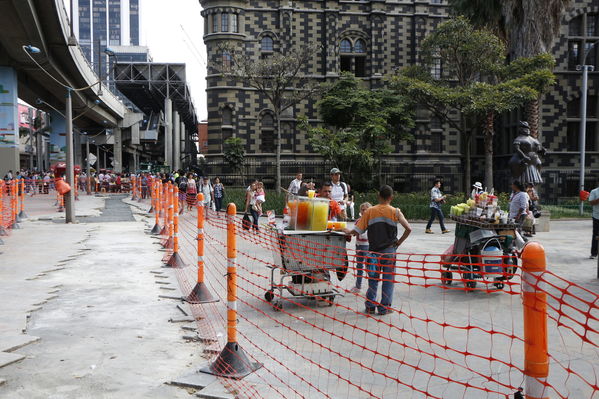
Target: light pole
x: 583, y: 116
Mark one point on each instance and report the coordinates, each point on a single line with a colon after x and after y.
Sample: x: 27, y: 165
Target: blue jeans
x: 436, y: 212
x: 362, y: 259
x: 381, y: 262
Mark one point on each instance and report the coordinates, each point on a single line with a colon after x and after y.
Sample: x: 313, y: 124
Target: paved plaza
x: 84, y: 313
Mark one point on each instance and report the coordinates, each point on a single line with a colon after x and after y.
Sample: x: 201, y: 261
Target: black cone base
x: 163, y: 231
x: 3, y: 231
x: 200, y: 294
x: 151, y: 210
x: 18, y: 218
x: 156, y: 229
x: 23, y: 215
x: 175, y: 260
x: 1, y: 242
x: 15, y: 226
x: 232, y: 363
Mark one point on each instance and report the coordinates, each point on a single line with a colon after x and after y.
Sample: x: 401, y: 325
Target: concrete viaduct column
x: 168, y: 139
x: 118, y: 150
x: 9, y: 122
x: 183, y: 140
x: 176, y: 141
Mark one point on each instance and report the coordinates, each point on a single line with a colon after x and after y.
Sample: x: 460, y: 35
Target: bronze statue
x: 526, y: 163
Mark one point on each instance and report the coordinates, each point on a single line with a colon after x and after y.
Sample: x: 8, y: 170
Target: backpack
x: 183, y: 185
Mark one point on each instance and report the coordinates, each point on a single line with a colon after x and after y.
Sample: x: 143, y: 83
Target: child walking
x: 361, y: 252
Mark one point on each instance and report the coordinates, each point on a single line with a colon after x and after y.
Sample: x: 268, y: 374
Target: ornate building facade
x: 370, y: 38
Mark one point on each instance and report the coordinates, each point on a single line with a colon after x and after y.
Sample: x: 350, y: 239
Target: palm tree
x: 528, y: 26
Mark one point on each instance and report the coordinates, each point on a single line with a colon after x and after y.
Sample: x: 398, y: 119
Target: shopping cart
x: 304, y: 260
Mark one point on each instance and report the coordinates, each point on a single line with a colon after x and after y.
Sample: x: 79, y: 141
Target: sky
x: 174, y: 33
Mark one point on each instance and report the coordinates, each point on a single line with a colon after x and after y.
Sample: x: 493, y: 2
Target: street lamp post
x: 583, y: 116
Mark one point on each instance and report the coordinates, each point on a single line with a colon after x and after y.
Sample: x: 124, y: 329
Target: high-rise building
x: 104, y: 23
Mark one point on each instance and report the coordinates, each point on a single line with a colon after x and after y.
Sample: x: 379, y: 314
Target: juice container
x: 292, y: 204
x: 303, y: 215
x: 320, y: 214
x: 336, y: 225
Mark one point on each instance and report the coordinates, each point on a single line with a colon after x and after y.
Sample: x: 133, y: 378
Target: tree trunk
x: 278, y: 177
x: 489, y: 133
x: 533, y: 116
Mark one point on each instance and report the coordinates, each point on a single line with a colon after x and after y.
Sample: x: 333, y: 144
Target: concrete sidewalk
x: 85, y: 298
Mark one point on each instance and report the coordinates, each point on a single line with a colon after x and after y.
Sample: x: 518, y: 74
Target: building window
x: 345, y: 46
x: 583, y: 32
x: 234, y: 23
x: 267, y: 133
x: 267, y: 44
x: 214, y: 23
x: 352, y: 57
x: 436, y: 129
x: 573, y: 124
x: 224, y: 22
x: 436, y: 68
x: 226, y: 59
x: 227, y: 117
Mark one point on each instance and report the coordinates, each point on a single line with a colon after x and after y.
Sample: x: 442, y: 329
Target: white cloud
x: 173, y: 31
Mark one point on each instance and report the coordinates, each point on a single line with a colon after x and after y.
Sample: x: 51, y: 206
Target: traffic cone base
x: 232, y: 363
x: 168, y: 243
x: 156, y: 229
x: 15, y: 226
x: 23, y: 215
x: 200, y: 294
x: 175, y: 260
x: 151, y: 210
x: 164, y: 230
x: 3, y: 231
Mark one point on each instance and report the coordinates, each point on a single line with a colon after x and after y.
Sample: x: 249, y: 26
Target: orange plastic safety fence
x: 453, y: 328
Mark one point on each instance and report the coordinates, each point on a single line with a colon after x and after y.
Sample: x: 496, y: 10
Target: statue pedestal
x: 543, y: 223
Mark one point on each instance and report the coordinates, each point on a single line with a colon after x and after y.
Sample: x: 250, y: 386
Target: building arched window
x: 583, y: 31
x: 214, y: 23
x: 352, y: 58
x: 234, y: 23
x: 267, y: 137
x: 267, y: 44
x: 345, y: 46
x: 360, y: 46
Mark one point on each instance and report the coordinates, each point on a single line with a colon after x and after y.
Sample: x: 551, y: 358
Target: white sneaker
x: 355, y: 290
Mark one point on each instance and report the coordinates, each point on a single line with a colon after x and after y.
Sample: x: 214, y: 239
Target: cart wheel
x: 446, y: 278
x: 499, y: 286
x: 277, y: 306
x: 331, y: 299
x: 471, y: 284
x: 269, y: 295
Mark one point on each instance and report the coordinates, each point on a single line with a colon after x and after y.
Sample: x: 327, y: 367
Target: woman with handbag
x: 250, y: 203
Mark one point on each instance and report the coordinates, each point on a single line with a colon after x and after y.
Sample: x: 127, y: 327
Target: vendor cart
x: 482, y: 251
x: 304, y: 260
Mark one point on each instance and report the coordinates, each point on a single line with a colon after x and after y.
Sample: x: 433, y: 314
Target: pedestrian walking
x: 380, y: 222
x: 362, y: 255
x: 437, y: 199
x: 250, y: 204
x: 192, y: 192
x: 295, y: 184
x: 182, y: 182
x: 594, y: 201
x: 219, y: 194
x: 206, y: 189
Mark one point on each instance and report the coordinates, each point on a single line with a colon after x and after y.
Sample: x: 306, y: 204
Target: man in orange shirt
x: 380, y: 222
x: 326, y: 191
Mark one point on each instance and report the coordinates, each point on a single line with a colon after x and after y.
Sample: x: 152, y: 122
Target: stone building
x: 369, y: 38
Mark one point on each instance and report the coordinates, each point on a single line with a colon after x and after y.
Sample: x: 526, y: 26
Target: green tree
x: 476, y: 85
x: 234, y: 154
x: 361, y: 125
x: 528, y: 26
x: 280, y: 78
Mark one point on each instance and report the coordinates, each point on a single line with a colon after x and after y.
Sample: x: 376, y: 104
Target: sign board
x: 91, y: 158
x: 9, y: 124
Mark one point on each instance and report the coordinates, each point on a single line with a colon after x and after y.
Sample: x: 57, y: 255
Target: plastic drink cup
x: 311, y: 193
